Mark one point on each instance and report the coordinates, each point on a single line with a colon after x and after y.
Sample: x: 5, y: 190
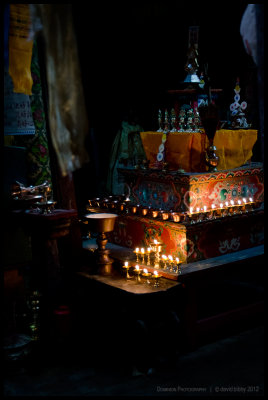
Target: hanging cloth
x: 20, y: 48
x: 127, y: 150
x: 66, y: 104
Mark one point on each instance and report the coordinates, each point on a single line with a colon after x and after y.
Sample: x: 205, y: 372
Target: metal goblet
x: 102, y: 223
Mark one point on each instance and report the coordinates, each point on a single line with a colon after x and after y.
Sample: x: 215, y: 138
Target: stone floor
x: 233, y: 365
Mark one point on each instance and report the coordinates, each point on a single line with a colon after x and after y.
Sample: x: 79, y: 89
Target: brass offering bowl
x: 183, y: 216
x: 146, y: 276
x: 114, y: 204
x: 133, y: 209
x: 27, y: 202
x: 121, y: 207
x: 154, y: 213
x: 164, y: 215
x: 175, y: 217
x: 144, y: 211
x: 137, y: 272
x: 96, y: 202
x: 156, y: 279
x: 105, y: 203
x: 46, y: 207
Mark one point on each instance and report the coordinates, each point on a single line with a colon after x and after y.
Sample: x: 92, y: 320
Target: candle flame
x: 232, y: 202
x: 221, y: 205
x: 191, y: 210
x: 126, y: 263
x: 239, y: 202
x: 137, y: 249
x: 171, y: 258
x: 137, y: 267
x: 244, y: 200
x: 197, y: 209
x: 156, y: 273
x: 250, y: 199
x: 145, y: 270
x: 205, y: 208
x: 142, y: 250
x: 213, y: 206
x: 177, y: 259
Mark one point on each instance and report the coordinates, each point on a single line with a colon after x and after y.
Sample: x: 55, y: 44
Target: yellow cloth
x: 20, y: 48
x: 186, y: 149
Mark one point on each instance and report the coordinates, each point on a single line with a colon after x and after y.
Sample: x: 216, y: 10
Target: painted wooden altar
x: 203, y: 231
x: 217, y: 213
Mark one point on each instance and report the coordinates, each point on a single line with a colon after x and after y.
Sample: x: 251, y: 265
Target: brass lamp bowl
x: 102, y: 223
x: 27, y: 201
x: 144, y: 211
x: 175, y: 217
x: 164, y: 215
x: 133, y: 209
x: 154, y: 213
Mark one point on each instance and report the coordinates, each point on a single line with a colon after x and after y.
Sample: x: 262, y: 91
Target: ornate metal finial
x: 192, y: 63
x: 173, y: 120
x: 182, y: 118
x: 166, y: 121
x: 160, y: 121
x: 239, y: 120
x: 190, y: 120
x: 197, y: 122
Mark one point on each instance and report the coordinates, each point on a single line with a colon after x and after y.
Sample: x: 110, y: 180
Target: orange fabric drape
x: 186, y: 149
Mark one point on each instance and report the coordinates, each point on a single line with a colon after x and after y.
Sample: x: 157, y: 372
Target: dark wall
x: 135, y: 50
x: 131, y: 53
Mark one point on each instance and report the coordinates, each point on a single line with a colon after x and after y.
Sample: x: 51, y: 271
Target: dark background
x: 131, y: 53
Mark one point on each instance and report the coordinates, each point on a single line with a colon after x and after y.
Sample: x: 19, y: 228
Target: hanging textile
x: 20, y: 48
x: 127, y: 150
x: 18, y: 119
x: 66, y: 109
x: 37, y: 149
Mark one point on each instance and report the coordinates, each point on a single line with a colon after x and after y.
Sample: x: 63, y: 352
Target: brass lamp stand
x: 102, y: 223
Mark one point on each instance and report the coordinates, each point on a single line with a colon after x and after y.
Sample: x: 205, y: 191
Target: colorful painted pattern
x: 134, y: 231
x: 192, y: 242
x: 180, y: 192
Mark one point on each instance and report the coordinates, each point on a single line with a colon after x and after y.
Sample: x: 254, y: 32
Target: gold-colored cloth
x: 20, y: 48
x: 186, y: 149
